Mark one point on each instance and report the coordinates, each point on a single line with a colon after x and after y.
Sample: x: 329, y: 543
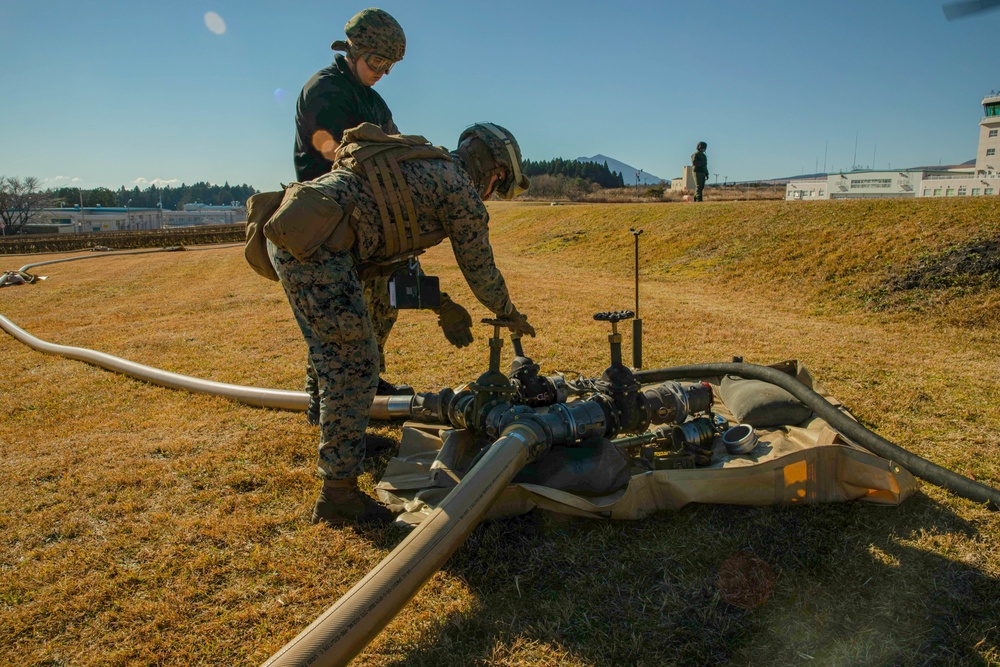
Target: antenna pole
x: 637, y: 322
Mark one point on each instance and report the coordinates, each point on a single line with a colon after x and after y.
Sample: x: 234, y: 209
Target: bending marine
x: 386, y: 200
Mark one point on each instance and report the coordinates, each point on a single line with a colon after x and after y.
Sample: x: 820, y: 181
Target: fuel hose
x: 384, y: 408
x: 266, y: 398
x: 343, y: 630
x: 921, y: 467
x: 262, y: 398
x: 117, y: 253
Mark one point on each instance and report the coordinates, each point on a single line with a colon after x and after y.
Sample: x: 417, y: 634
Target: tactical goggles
x: 378, y: 64
x: 515, y: 183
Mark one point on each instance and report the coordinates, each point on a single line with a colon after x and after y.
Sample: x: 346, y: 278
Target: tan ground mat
x: 805, y: 463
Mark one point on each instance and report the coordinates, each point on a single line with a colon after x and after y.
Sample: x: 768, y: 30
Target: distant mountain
x: 626, y: 170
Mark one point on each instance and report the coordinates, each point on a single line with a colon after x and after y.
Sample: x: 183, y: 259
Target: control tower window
x: 992, y: 109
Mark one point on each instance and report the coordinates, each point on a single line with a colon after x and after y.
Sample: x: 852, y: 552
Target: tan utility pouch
x: 304, y: 221
x: 260, y: 207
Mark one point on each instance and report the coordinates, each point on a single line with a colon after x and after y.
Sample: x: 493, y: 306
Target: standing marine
x: 339, y: 97
x: 387, y: 199
x: 700, y: 163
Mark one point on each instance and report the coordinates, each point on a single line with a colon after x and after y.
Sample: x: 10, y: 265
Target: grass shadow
x: 890, y: 588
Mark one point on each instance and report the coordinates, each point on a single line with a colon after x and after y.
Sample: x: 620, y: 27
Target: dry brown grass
x: 145, y: 526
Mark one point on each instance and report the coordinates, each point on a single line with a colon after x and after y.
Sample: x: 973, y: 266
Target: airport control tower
x: 987, y: 158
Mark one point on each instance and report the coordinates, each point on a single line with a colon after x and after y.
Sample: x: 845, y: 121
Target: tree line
x: 22, y: 200
x: 592, y: 172
x: 171, y: 198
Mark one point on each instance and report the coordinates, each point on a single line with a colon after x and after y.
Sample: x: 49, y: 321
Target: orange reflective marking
x: 796, y: 475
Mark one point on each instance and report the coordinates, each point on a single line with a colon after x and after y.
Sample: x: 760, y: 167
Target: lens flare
x: 280, y: 95
x: 324, y: 143
x: 215, y: 23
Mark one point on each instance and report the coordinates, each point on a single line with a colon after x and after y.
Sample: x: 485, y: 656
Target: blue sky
x: 112, y: 93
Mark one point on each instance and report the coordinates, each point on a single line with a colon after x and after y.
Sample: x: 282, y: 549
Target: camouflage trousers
x: 383, y: 315
x: 328, y: 302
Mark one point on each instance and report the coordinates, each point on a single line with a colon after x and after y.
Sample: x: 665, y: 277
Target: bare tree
x: 20, y: 203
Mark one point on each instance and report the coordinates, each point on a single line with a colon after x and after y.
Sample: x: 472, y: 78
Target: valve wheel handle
x: 614, y: 316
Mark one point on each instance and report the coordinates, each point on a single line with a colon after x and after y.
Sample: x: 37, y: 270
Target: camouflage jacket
x: 700, y: 162
x: 333, y: 100
x: 445, y: 201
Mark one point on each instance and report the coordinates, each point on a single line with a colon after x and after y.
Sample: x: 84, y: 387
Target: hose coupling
x: 696, y: 436
x: 531, y: 430
x: 740, y: 439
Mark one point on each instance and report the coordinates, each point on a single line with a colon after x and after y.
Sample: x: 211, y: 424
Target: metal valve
x: 615, y: 316
x: 496, y: 343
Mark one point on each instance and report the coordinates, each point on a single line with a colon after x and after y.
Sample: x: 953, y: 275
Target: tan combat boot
x: 341, y: 502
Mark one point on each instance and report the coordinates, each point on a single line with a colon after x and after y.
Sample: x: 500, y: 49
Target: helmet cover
x: 373, y: 30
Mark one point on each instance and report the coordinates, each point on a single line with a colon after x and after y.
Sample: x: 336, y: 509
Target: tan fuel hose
x: 384, y: 408
x: 116, y: 253
x: 343, y: 630
x: 265, y: 398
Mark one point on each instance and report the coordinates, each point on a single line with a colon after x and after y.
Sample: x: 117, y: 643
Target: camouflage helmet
x: 505, y: 153
x: 373, y: 30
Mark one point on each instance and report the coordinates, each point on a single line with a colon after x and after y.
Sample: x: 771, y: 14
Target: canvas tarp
x: 804, y: 463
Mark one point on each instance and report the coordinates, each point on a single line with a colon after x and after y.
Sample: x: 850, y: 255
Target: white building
x: 686, y: 181
x: 114, y: 219
x: 97, y: 219
x: 987, y: 160
x: 981, y: 180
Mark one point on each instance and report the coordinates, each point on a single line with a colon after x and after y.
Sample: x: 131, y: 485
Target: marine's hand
x: 519, y: 323
x: 455, y: 321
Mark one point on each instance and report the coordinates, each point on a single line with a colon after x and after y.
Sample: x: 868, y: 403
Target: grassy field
x: 145, y: 526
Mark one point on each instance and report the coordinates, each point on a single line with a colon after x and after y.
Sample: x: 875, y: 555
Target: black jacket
x: 333, y: 100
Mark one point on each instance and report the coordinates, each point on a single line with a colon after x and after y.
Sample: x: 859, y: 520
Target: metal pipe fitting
x: 675, y: 402
x: 740, y: 439
x: 696, y: 436
x: 385, y: 408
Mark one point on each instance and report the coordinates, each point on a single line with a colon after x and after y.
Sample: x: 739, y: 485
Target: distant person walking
x: 700, y: 163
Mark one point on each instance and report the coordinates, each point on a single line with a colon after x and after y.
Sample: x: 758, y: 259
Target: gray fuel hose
x: 265, y: 398
x: 921, y: 467
x: 343, y: 630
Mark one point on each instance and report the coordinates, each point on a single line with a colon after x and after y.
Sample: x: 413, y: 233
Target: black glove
x: 455, y: 322
x: 519, y: 323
